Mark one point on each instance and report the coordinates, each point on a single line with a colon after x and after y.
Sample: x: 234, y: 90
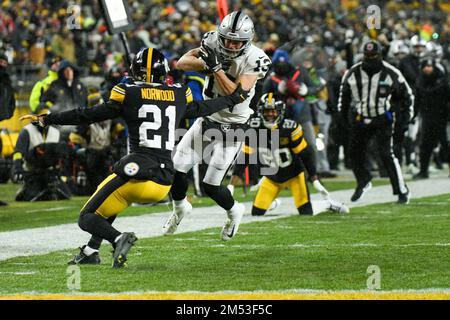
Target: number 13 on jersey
x: 151, y: 132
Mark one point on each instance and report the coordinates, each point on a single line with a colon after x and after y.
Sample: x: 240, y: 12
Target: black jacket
x: 433, y: 95
x: 62, y: 97
x: 7, y: 99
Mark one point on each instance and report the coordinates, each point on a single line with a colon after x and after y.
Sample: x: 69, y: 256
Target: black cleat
x: 360, y: 191
x: 121, y: 249
x: 82, y: 258
x: 403, y: 198
x: 420, y: 176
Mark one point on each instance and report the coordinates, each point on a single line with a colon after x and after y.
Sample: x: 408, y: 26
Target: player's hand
x: 239, y: 95
x: 282, y: 88
x: 321, y: 189
x: 210, y: 58
x: 37, y: 120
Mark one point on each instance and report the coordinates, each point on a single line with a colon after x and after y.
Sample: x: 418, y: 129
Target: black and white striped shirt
x: 371, y: 96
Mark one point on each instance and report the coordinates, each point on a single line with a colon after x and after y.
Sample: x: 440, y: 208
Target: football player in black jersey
x: 152, y: 111
x: 291, y: 156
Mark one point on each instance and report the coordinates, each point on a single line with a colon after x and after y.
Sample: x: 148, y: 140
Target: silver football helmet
x: 235, y: 26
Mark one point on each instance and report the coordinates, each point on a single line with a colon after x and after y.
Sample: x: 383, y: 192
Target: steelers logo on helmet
x: 131, y: 169
x: 150, y: 65
x: 271, y: 110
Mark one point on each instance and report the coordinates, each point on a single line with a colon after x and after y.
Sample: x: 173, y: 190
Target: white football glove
x: 303, y: 90
x: 321, y: 189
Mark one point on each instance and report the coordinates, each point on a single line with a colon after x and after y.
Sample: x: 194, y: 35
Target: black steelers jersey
x: 284, y: 155
x: 152, y: 113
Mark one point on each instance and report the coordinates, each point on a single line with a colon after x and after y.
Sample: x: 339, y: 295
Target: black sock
x: 221, y: 195
x: 97, y: 226
x: 96, y: 241
x: 179, y: 186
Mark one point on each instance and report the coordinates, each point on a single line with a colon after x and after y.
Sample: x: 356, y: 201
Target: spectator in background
x: 42, y: 86
x: 63, y: 45
x: 65, y: 93
x: 7, y: 93
x: 292, y: 85
x: 37, y: 157
x: 432, y: 100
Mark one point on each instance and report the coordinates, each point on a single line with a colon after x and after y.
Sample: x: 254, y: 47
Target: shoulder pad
x: 254, y: 122
x: 289, y: 124
x: 118, y: 93
x: 257, y: 62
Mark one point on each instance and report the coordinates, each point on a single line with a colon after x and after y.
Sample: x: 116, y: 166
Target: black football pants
x: 361, y: 132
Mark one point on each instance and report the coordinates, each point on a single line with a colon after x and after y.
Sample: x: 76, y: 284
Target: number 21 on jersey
x: 159, y: 124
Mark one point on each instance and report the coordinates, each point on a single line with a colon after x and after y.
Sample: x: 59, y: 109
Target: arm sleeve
x: 35, y: 96
x: 197, y: 109
x: 301, y: 148
x: 109, y: 110
x: 344, y: 95
x: 405, y: 94
x: 23, y: 141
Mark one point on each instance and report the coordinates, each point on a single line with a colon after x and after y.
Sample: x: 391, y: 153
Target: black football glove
x: 212, y: 62
x: 239, y: 95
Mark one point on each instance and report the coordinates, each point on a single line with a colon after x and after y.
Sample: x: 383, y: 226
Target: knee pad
x: 257, y: 211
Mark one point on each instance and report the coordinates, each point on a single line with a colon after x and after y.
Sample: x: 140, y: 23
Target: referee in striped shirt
x: 368, y: 86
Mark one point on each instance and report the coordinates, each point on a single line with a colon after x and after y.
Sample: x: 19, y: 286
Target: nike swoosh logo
x: 231, y: 233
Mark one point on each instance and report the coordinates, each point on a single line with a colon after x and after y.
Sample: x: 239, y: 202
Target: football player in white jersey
x: 228, y: 57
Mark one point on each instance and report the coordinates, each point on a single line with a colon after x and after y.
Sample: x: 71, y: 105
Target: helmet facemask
x: 271, y: 111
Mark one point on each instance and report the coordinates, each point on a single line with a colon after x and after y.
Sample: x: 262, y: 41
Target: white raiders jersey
x: 253, y: 61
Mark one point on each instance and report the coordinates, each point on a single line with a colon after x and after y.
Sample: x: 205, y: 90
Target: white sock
x: 234, y: 206
x: 88, y: 250
x: 118, y: 237
x: 179, y: 203
x: 231, y: 188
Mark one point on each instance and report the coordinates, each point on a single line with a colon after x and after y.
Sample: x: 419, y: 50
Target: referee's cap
x: 372, y: 49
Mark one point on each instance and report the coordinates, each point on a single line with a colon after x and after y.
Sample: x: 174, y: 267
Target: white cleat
x: 234, y: 219
x: 275, y: 204
x: 175, y: 218
x: 338, y: 207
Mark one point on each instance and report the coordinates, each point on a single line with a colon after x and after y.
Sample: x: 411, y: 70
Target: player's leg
x: 267, y: 193
x: 300, y: 193
x: 223, y: 156
x: 106, y: 202
x: 188, y: 153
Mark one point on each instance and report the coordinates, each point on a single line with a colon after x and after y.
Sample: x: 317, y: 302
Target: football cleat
x: 234, y: 219
x: 338, y: 207
x: 121, y: 249
x: 275, y: 204
x: 403, y: 198
x: 360, y: 191
x: 175, y: 218
x: 83, y: 258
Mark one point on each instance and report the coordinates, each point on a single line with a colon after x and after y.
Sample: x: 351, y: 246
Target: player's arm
x: 190, y: 62
x: 109, y: 110
x: 247, y: 81
x: 201, y: 108
x: 301, y: 148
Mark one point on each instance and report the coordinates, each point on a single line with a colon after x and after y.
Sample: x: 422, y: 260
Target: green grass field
x: 23, y: 215
x: 409, y: 244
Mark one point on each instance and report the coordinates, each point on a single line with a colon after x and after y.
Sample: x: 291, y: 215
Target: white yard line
x: 39, y: 241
